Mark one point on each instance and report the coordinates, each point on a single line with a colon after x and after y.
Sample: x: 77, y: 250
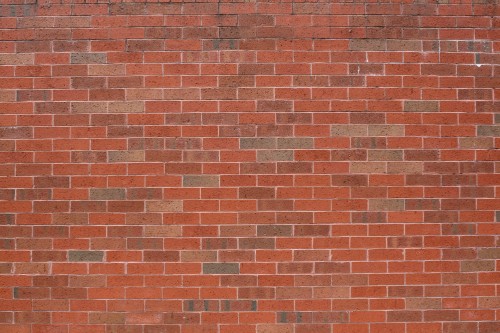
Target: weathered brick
x: 386, y: 130
x: 421, y: 106
x: 386, y: 204
x: 349, y: 130
x: 274, y: 155
x: 164, y: 206
x: 126, y: 156
x: 107, y: 194
x: 221, y: 268
x: 488, y: 131
x: 295, y: 143
x: 88, y: 58
x: 85, y: 256
x: 200, y: 181
x: 477, y: 266
x: 126, y: 107
x: 367, y: 45
x: 258, y: 143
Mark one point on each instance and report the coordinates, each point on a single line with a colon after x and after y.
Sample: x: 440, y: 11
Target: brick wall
x: 249, y: 166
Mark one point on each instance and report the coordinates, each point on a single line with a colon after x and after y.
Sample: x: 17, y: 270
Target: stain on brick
x: 94, y: 256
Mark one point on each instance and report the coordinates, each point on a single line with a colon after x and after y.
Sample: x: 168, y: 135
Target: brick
x: 92, y: 256
x: 164, y: 206
x: 88, y: 58
x: 200, y: 181
x: 367, y: 45
x: 475, y: 266
x: 221, y: 268
x: 274, y: 155
x: 488, y: 131
x: 349, y: 130
x: 421, y: 106
x: 257, y: 143
x: 126, y: 156
x: 107, y: 194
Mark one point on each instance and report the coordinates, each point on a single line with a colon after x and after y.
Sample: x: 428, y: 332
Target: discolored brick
x: 221, y: 268
x: 86, y: 256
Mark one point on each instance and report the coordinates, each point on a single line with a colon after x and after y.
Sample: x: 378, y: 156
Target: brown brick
x: 161, y: 256
x: 126, y: 156
x: 274, y: 155
x: 386, y: 130
x: 88, y: 58
x: 163, y: 231
x: 274, y: 230
x: 367, y: 45
x: 16, y: 132
x: 200, y: 181
x: 85, y: 256
x: 489, y: 253
x: 385, y: 155
x: 198, y: 256
x: 368, y: 167
x: 221, y: 268
x: 349, y: 130
x: 16, y: 59
x: 476, y: 143
x: 257, y: 192
x: 274, y: 106
x: 404, y: 316
x: 256, y: 243
x: 164, y: 206
x: 89, y: 107
x: 386, y: 204
x: 107, y: 194
x: 404, y: 167
x: 421, y: 106
x: 126, y: 107
x: 295, y: 143
x: 403, y: 45
x: 477, y: 265
x: 258, y: 143
x: 488, y: 131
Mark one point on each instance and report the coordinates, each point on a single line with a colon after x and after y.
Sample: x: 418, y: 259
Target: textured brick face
x: 252, y: 166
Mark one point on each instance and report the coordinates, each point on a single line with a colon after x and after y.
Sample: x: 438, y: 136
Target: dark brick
x: 221, y: 268
x: 85, y: 256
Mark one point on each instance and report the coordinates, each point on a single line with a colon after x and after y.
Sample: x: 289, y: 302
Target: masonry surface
x: 249, y: 166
